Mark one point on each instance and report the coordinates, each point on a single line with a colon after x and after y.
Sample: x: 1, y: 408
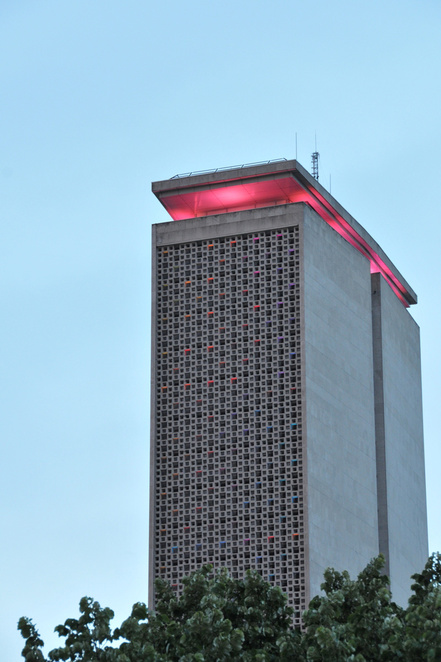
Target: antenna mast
x: 315, y: 165
x: 315, y: 160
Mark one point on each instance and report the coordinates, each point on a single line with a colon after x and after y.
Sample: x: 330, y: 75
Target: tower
x: 286, y: 390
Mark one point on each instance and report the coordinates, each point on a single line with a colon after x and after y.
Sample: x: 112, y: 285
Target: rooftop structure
x: 273, y: 183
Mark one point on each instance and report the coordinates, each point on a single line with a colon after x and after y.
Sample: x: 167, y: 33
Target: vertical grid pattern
x: 229, y: 457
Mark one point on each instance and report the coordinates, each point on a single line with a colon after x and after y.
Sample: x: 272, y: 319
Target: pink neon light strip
x: 336, y: 221
x: 285, y: 189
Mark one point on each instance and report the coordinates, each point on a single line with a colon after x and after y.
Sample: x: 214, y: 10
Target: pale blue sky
x: 97, y: 100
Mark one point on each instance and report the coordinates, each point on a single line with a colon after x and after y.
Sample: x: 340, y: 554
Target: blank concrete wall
x: 402, y: 502
x: 340, y: 435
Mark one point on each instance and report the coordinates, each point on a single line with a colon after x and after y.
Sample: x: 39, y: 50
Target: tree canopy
x: 220, y: 619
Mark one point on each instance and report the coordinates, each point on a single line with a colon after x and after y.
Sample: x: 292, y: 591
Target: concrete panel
x: 339, y: 396
x: 153, y: 504
x: 402, y: 498
x: 223, y: 225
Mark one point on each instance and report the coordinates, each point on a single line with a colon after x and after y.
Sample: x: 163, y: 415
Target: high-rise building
x: 286, y: 390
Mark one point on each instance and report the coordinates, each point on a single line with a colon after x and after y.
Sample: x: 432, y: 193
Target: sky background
x: 98, y: 99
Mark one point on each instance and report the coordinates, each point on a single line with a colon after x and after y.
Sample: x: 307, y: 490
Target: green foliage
x: 355, y: 619
x: 422, y: 620
x: 32, y: 650
x: 219, y: 619
x: 85, y: 638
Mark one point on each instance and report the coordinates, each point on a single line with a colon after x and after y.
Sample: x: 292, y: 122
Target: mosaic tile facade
x: 229, y: 455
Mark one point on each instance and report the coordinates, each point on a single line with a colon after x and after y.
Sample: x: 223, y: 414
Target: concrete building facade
x: 286, y: 389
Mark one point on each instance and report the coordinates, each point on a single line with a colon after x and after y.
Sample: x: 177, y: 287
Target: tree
x: 84, y: 637
x: 215, y: 618
x: 354, y: 620
x: 358, y: 621
x: 219, y: 619
x: 422, y: 620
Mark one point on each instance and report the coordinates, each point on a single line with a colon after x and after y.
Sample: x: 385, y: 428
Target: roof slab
x: 264, y: 185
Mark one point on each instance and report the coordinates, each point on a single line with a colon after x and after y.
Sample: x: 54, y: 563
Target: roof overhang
x: 267, y: 185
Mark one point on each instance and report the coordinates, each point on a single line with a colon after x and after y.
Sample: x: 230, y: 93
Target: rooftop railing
x: 235, y: 167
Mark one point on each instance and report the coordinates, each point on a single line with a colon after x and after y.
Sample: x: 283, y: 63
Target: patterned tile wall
x: 229, y: 456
